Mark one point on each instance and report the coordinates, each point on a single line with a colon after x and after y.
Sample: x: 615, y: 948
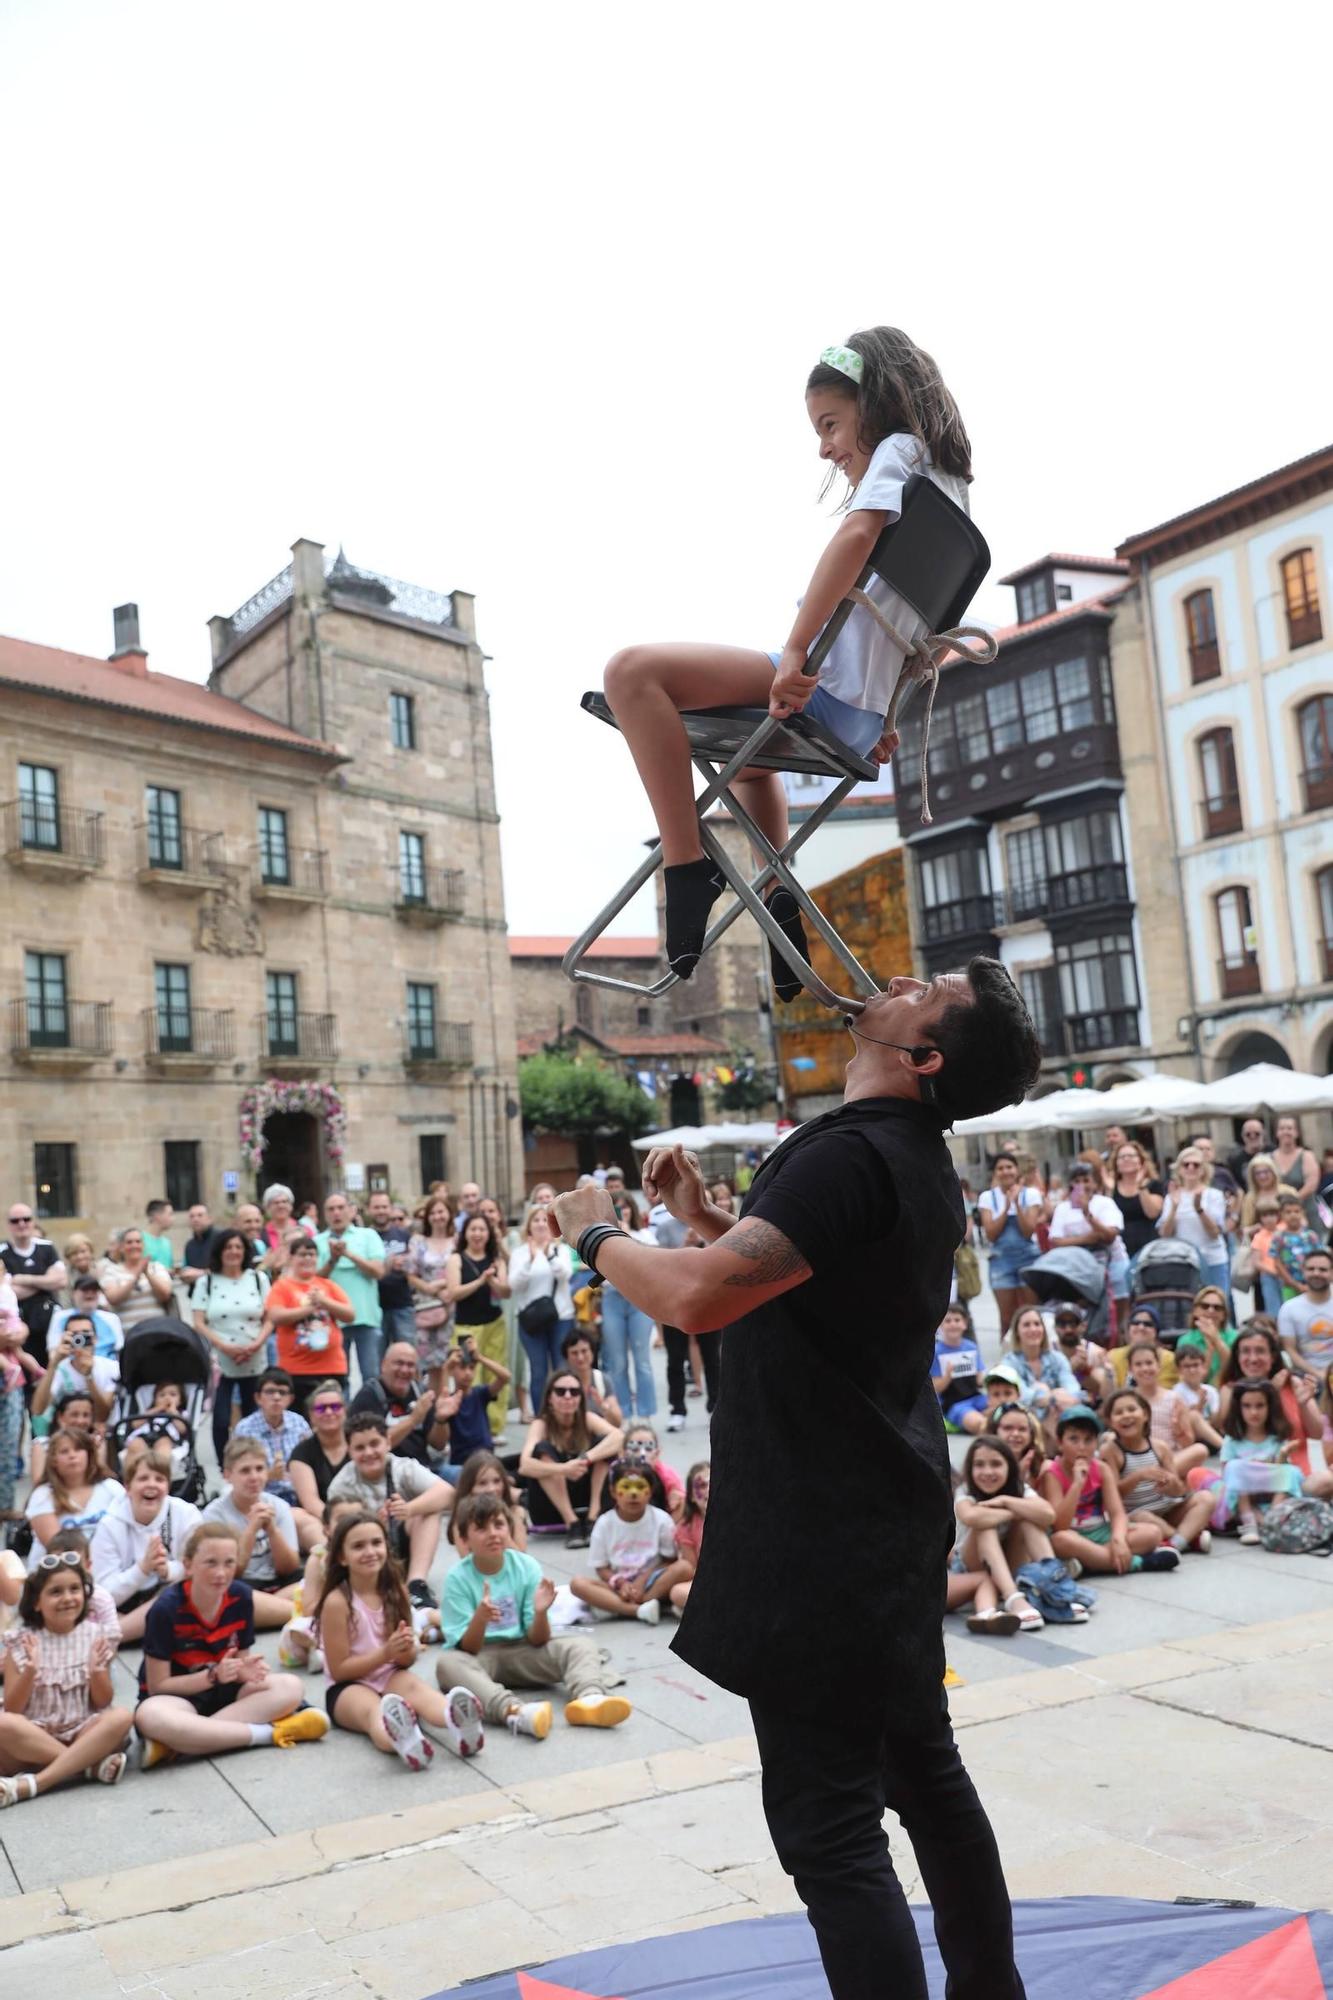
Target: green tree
x: 561, y: 1095
x: 750, y: 1088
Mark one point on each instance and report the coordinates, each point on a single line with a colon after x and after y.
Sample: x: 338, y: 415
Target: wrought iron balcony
x: 1084, y: 888
x: 969, y: 916
x: 204, y: 1033
x: 1317, y: 785
x: 1238, y: 976
x: 63, y: 1031
x: 59, y: 840
x: 428, y: 895
x: 1114, y: 1028
x: 292, y: 874
x: 437, y: 1045
x: 305, y: 1038
x: 1027, y: 900
x: 1221, y: 815
x: 178, y: 857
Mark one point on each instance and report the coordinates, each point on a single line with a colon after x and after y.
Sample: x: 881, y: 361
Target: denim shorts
x: 859, y: 728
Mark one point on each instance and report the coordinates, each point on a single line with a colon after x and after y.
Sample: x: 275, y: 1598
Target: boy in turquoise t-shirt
x: 497, y: 1636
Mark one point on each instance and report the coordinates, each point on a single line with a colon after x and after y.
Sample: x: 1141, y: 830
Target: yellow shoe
x: 151, y: 1754
x: 953, y: 1680
x: 306, y: 1726
x: 597, y: 1711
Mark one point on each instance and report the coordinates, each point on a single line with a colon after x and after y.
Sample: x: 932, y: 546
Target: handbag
x: 432, y: 1316
x: 968, y: 1271
x: 538, y: 1318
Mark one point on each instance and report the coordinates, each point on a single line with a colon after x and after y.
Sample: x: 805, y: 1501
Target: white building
x: 1235, y: 597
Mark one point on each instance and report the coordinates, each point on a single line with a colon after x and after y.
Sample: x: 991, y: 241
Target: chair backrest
x: 933, y: 554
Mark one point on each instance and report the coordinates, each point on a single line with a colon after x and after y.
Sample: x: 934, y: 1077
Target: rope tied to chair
x: 922, y: 659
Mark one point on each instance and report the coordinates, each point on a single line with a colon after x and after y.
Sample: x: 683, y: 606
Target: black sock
x: 784, y: 906
x: 692, y: 888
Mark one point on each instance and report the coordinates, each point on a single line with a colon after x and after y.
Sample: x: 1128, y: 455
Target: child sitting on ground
x: 1148, y: 1476
x: 1002, y: 1526
x: 955, y: 1376
x: 363, y: 1625
x: 1091, y: 1526
x: 1002, y: 1385
x: 1198, y: 1416
x: 269, y: 1554
x: 497, y: 1636
x: 485, y: 1473
x: 1254, y: 1457
x: 633, y: 1550
x: 642, y: 1447
x: 1145, y: 1375
x: 59, y: 1721
x: 690, y: 1526
x: 1022, y: 1432
x: 101, y: 1604
x: 296, y: 1641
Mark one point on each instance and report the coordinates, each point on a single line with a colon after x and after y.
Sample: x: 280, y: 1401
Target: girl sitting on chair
x: 881, y: 412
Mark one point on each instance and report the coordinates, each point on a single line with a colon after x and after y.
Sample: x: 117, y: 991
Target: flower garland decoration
x: 264, y: 1099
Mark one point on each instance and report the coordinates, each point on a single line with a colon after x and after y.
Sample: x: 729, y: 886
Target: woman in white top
x: 132, y: 1285
x: 75, y: 1494
x: 228, y: 1307
x: 140, y: 1540
x: 539, y: 1276
x: 1197, y: 1214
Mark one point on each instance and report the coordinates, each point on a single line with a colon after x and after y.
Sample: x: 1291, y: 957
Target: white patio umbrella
x: 1268, y: 1086
x: 1138, y: 1102
x: 1035, y: 1114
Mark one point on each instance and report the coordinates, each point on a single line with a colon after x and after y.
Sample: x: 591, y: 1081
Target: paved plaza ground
x: 1174, y: 1745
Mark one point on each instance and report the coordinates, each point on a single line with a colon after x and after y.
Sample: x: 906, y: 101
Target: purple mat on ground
x: 1097, y: 1947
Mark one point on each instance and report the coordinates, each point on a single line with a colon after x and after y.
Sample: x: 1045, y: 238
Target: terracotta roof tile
x: 666, y: 1045
x: 605, y: 947
x: 1112, y: 565
x: 1102, y: 602
x: 109, y: 684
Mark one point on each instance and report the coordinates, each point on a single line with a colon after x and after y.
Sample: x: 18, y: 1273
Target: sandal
x: 1029, y: 1620
x: 111, y: 1769
x: 994, y: 1624
x: 12, y: 1790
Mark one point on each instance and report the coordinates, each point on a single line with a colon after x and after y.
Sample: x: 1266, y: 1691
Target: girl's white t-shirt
x: 863, y: 662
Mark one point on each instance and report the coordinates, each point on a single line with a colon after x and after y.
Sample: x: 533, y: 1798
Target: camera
x: 80, y: 1340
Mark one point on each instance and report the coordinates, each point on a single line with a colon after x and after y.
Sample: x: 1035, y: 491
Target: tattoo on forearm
x: 768, y: 1250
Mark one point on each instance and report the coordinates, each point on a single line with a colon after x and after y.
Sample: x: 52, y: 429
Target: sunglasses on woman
x: 566, y: 1392
x: 326, y: 1409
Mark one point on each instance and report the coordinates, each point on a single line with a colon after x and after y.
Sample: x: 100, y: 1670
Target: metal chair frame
x: 934, y: 558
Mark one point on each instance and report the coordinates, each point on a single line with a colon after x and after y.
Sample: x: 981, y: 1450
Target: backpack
x: 1297, y: 1526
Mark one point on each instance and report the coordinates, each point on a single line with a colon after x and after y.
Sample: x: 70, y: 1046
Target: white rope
x: 922, y: 659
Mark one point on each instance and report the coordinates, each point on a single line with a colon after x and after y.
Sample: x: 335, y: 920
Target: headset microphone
x: 918, y: 1052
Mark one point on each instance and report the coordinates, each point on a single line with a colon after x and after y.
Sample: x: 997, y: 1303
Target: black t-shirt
x: 36, y: 1311
x: 374, y: 1396
x: 198, y: 1252
x: 831, y: 1384
x: 311, y: 1452
x: 394, y: 1288
x: 1138, y: 1229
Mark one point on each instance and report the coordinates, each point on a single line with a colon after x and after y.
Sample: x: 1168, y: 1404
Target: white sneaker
x: 675, y: 1423
x: 316, y: 1661
x: 649, y: 1613
x: 531, y: 1718
x: 400, y: 1725
x: 462, y: 1730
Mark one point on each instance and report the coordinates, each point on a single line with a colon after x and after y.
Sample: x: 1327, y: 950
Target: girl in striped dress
x: 58, y: 1718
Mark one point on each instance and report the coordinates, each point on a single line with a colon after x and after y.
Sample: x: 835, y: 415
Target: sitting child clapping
x: 59, y: 1721
x: 633, y: 1550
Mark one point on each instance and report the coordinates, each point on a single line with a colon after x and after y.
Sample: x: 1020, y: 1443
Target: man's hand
x: 395, y: 1508
x: 572, y: 1212
x: 673, y: 1176
x: 792, y: 686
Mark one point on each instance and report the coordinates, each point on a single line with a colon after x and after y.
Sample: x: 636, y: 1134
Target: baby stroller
x: 1168, y: 1276
x: 163, y: 1349
x: 1071, y: 1277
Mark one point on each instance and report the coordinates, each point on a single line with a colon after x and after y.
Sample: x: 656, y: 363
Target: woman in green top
x: 1208, y: 1329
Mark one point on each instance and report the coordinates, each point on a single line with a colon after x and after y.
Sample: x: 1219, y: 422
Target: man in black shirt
x: 416, y: 1428
x: 400, y: 1314
x: 37, y: 1274
x: 831, y: 1286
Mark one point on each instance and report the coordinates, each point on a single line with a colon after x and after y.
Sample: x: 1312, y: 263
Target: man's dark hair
x: 155, y: 1208
x: 992, y: 1057
x: 278, y: 1375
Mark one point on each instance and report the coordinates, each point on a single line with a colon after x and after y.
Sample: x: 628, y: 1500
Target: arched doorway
x: 1255, y: 1048
x: 293, y: 1155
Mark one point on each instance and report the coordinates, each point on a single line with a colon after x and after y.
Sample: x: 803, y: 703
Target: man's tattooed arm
x: 770, y: 1258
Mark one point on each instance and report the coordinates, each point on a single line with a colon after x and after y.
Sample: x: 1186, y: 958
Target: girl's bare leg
x: 647, y: 687
x: 1145, y: 1534
x: 1093, y: 1555
x: 1029, y: 1543
x: 1191, y: 1517
x: 170, y: 1719
x: 556, y: 1488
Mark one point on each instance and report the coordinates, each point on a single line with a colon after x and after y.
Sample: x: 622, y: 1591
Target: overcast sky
x: 522, y: 299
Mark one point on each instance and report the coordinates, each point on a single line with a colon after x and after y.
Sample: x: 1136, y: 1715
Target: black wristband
x: 591, y: 1240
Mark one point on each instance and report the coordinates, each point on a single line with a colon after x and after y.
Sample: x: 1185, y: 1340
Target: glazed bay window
x: 1041, y: 718
x: 1004, y: 717
x: 1025, y: 873
x: 956, y: 899
x: 969, y: 717
x: 1034, y: 598
x: 1085, y: 861
x: 1074, y: 693
x: 1099, y: 992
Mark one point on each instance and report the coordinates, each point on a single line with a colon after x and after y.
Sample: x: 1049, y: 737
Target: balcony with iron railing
x: 1221, y: 815
x: 427, y: 896
x: 60, y: 1034
x: 1317, y: 788
x: 1106, y: 1028
x: 53, y: 840
x: 300, y: 1038
x: 967, y: 917
x: 1239, y: 976
x: 1087, y: 888
x: 180, y: 858
x: 437, y: 1045
x: 181, y: 1037
x: 291, y: 874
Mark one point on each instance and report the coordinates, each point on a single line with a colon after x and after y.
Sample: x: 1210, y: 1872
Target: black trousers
x: 678, y: 1355
x: 829, y: 1775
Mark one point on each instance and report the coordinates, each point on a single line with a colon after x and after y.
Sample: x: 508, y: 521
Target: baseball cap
x: 1079, y: 1414
x: 87, y: 1281
x: 1002, y: 1374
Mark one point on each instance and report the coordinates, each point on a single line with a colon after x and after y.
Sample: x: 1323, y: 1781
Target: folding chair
x: 935, y: 559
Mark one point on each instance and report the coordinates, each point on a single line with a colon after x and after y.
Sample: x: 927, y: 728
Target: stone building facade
x: 287, y: 880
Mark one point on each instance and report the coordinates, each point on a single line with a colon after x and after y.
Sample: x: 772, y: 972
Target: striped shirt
x: 277, y: 1444
x: 176, y: 1632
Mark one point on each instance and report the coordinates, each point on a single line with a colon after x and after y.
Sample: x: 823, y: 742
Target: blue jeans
x: 626, y: 1333
x: 368, y: 1344
x: 544, y: 1356
x: 400, y: 1323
